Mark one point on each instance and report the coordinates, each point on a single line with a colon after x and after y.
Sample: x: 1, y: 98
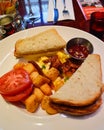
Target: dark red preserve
x: 78, y: 51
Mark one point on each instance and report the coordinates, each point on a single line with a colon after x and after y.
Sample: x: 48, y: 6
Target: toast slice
x: 85, y: 85
x: 47, y: 41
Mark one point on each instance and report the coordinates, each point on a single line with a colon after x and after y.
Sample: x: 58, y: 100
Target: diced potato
x: 38, y: 93
x: 19, y: 65
x: 46, y: 89
x: 33, y: 75
x: 58, y: 83
x: 31, y: 103
x: 52, y: 74
x: 29, y: 68
x: 39, y: 80
x: 51, y: 110
x: 44, y: 102
x: 46, y: 106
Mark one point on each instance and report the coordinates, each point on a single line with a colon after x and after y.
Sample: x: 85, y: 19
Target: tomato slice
x: 14, y: 82
x: 18, y: 97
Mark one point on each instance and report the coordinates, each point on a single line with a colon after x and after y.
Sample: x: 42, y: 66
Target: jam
x: 78, y: 51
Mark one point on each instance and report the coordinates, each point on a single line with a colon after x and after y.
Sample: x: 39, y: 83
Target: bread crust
x: 77, y: 111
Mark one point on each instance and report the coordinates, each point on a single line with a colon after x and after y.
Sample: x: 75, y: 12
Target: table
x: 80, y: 21
x: 40, y: 10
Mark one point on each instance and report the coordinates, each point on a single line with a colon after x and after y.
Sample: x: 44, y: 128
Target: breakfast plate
x: 14, y: 117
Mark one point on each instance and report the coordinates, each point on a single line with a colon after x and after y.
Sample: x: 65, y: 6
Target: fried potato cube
x: 46, y: 89
x: 51, y: 110
x: 38, y: 80
x: 29, y: 68
x: 58, y: 83
x: 44, y: 102
x: 19, y: 65
x: 52, y: 74
x: 33, y: 75
x: 45, y: 105
x: 31, y: 103
x: 38, y: 93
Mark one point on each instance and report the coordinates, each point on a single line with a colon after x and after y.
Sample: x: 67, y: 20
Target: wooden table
x: 80, y: 22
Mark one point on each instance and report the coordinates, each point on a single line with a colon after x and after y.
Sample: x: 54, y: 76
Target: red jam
x: 78, y: 51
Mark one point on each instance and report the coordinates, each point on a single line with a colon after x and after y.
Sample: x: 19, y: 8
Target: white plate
x: 13, y: 117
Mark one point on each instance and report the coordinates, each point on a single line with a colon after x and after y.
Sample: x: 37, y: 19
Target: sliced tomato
x: 20, y: 96
x: 14, y: 82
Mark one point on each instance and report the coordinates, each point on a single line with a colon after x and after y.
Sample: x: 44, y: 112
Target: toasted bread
x: 85, y: 85
x: 47, y: 41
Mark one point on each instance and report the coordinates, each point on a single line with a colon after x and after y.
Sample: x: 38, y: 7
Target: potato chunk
x: 38, y: 80
x: 46, y: 106
x: 58, y: 83
x: 52, y: 74
x: 38, y: 93
x: 46, y: 89
x: 29, y: 68
x: 31, y: 103
x: 19, y: 65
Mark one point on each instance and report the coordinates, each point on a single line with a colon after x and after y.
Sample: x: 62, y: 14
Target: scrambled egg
x: 62, y: 56
x: 45, y: 66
